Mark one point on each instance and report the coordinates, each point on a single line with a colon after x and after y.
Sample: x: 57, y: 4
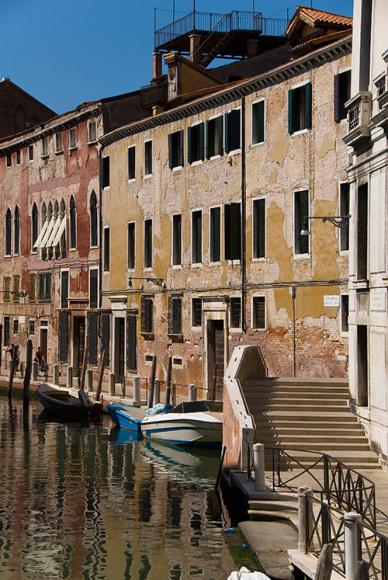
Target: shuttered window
x: 215, y: 234
x: 8, y: 233
x: 7, y: 288
x: 93, y: 288
x: 32, y: 287
x: 16, y: 288
x: 301, y: 211
x: 131, y: 342
x: 175, y: 316
x: 341, y: 94
x: 195, y: 143
x: 175, y: 149
x: 259, y: 228
x: 196, y: 237
x: 258, y: 122
x: 300, y: 108
x: 177, y: 240
x: 235, y: 312
x: 233, y: 130
x: 7, y: 330
x: 148, y: 244
x: 215, y: 137
x: 64, y: 289
x: 63, y: 337
x: 45, y: 286
x: 196, y: 312
x: 131, y: 162
x: 105, y: 336
x: 93, y: 337
x: 147, y: 311
x: 232, y: 232
x: 258, y: 315
x: 131, y: 245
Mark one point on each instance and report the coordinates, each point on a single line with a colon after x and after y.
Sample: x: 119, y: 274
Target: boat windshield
x: 198, y: 407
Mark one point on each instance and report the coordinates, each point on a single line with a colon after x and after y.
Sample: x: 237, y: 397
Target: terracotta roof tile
x: 326, y: 17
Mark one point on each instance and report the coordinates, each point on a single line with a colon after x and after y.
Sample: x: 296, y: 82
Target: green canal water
x: 84, y: 502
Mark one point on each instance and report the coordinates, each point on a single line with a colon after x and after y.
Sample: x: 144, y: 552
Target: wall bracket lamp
x: 339, y: 221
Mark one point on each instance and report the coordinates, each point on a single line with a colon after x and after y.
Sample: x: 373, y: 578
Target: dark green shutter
x: 93, y: 337
x: 201, y: 141
x: 189, y: 156
x: 131, y: 342
x: 291, y: 112
x: 207, y: 140
x: 63, y: 337
x: 337, y: 115
x: 308, y: 105
x: 220, y: 128
x: 105, y: 336
x: 182, y: 147
x: 227, y: 233
x: 226, y: 133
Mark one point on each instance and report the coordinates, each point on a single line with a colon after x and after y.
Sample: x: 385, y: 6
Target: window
x: 259, y: 228
x: 45, y: 149
x: 175, y: 149
x: 148, y: 244
x: 215, y: 234
x: 7, y: 330
x: 73, y: 138
x: 232, y: 233
x: 196, y: 312
x: 301, y: 211
x: 64, y: 289
x: 93, y: 288
x: 362, y: 232
x: 15, y: 325
x: 258, y: 312
x: 195, y: 143
x: 175, y: 316
x: 92, y: 132
x: 105, y: 171
x: 344, y: 211
x: 93, y: 221
x: 344, y: 313
x: 341, y: 94
x: 299, y: 108
x: 233, y: 131
x: 131, y: 341
x: 73, y: 224
x: 177, y: 240
x: 106, y: 249
x: 34, y: 226
x: 8, y: 232
x: 258, y: 122
x: 7, y: 288
x: 147, y: 318
x: 148, y: 158
x: 235, y: 312
x: 131, y: 245
x: 32, y: 287
x: 16, y: 231
x: 30, y: 152
x: 18, y: 157
x: 9, y: 159
x: 215, y: 137
x: 44, y: 286
x: 16, y: 288
x: 31, y: 327
x: 131, y: 162
x: 59, y: 142
x: 196, y: 237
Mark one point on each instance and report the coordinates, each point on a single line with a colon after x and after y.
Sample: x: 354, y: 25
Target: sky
x: 65, y: 52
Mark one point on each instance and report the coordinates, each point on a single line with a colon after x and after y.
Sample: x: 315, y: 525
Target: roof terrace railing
x: 208, y: 22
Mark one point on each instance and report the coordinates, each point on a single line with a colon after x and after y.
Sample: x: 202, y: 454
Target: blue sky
x: 67, y: 51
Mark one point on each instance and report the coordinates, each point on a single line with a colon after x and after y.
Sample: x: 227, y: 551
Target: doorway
x: 215, y: 358
x: 43, y: 342
x: 119, y: 348
x: 362, y: 365
x: 78, y: 343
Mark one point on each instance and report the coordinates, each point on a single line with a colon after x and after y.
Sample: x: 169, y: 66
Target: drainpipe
x: 100, y: 228
x: 293, y: 298
x: 243, y: 221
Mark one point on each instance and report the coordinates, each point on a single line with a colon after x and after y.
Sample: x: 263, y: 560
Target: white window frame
x: 199, y: 161
x: 58, y: 150
x: 292, y: 88
x: 132, y: 179
x: 45, y: 154
x: 148, y: 175
x: 258, y: 100
x: 146, y: 219
x: 218, y: 263
x: 98, y: 282
x: 73, y: 147
x: 176, y: 266
x: 264, y: 258
x: 259, y: 295
x: 213, y: 157
x: 196, y: 264
x: 92, y: 141
x: 300, y: 256
x: 233, y: 151
x: 134, y: 267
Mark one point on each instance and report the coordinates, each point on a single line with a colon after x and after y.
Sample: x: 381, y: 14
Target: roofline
x: 294, y: 19
x: 31, y: 97
x: 230, y: 94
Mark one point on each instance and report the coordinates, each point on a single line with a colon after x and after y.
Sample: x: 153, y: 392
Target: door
x: 215, y: 358
x: 78, y: 343
x: 119, y: 348
x: 363, y: 365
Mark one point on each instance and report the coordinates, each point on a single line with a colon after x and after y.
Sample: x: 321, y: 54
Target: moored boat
x: 189, y: 423
x: 126, y: 416
x: 61, y: 402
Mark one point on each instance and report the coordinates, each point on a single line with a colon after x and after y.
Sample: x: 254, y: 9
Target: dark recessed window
x: 7, y: 330
x: 147, y: 318
x: 93, y: 288
x: 106, y: 249
x: 232, y: 233
x: 131, y: 162
x: 258, y: 314
x: 196, y: 237
x: 31, y: 327
x: 72, y: 138
x: 342, y: 91
x: 131, y: 245
x: 258, y: 122
x: 8, y: 232
x: 92, y: 132
x: 344, y: 312
x: 44, y: 289
x: 196, y: 312
x: 215, y: 234
x: 105, y: 171
x: 175, y: 149
x: 299, y: 108
x: 93, y: 221
x: 16, y: 231
x: 301, y: 211
x: 344, y: 211
x: 64, y: 289
x: 9, y: 159
x: 259, y: 228
x: 233, y: 130
x: 148, y: 244
x: 45, y: 147
x: 59, y: 142
x: 148, y: 158
x: 175, y: 315
x: 215, y: 137
x: 18, y: 157
x: 73, y: 224
x: 177, y: 240
x: 15, y: 325
x: 235, y: 312
x: 195, y: 143
x: 30, y: 152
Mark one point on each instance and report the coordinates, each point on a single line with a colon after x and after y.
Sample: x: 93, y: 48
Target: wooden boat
x: 126, y: 416
x: 60, y: 402
x: 191, y: 423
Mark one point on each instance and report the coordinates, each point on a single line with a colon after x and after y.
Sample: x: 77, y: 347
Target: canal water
x: 86, y: 502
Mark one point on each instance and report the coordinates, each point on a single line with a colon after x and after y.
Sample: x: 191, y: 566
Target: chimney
x: 195, y: 40
x: 157, y: 65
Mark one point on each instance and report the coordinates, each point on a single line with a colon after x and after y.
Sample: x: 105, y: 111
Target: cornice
x: 276, y: 76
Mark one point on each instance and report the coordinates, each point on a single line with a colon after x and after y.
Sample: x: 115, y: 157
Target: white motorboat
x: 189, y: 423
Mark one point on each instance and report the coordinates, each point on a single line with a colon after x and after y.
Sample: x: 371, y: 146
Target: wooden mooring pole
x: 27, y: 374
x: 84, y: 368
x: 152, y: 383
x: 325, y: 563
x: 100, y: 375
x: 11, y: 370
x: 168, y: 381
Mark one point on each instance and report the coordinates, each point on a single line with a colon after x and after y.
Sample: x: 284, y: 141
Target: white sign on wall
x: 331, y: 301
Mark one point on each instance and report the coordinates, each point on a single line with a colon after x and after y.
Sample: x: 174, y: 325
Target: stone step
x: 271, y: 395
x: 308, y: 439
x: 305, y: 407
x: 330, y: 447
x: 264, y: 515
x: 294, y: 389
x: 348, y: 456
x: 298, y: 381
x: 275, y: 506
x: 270, y: 429
x: 285, y: 416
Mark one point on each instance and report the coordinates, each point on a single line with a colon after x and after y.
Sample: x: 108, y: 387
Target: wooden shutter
x: 220, y: 130
x: 175, y: 315
x: 291, y: 112
x: 181, y: 148
x: 215, y: 224
x: 227, y: 233
x: 201, y: 141
x: 32, y: 288
x: 16, y: 288
x: 93, y: 288
x: 207, y: 140
x: 93, y: 337
x: 63, y: 337
x: 235, y: 231
x: 147, y: 306
x: 189, y: 155
x: 131, y: 342
x: 337, y: 113
x: 105, y: 336
x: 170, y: 151
x: 308, y: 105
x: 227, y: 149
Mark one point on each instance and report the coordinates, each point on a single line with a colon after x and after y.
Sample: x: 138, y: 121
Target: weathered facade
x: 203, y: 213
x: 368, y: 276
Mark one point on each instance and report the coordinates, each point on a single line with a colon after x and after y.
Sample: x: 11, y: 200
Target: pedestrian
x: 39, y: 358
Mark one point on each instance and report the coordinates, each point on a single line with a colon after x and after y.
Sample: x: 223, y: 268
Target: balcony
x: 381, y: 118
x: 359, y: 117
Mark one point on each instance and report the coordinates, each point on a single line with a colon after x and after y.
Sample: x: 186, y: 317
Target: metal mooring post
x: 352, y: 522
x: 192, y: 392
x: 259, y: 466
x: 112, y: 384
x: 69, y: 382
x: 305, y: 500
x: 89, y: 380
x: 56, y: 374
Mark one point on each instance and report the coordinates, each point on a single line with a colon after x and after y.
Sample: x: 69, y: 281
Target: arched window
x: 34, y: 225
x: 93, y: 220
x: 62, y: 243
x: 73, y: 224
x: 16, y: 231
x: 8, y: 233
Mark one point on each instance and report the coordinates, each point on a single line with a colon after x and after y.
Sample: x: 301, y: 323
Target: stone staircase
x: 308, y: 414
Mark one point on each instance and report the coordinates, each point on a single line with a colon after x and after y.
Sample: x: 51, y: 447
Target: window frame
x: 58, y: 142
x: 8, y: 230
x: 148, y: 175
x: 176, y: 266
x: 216, y: 262
x: 94, y: 269
x: 45, y: 147
x: 131, y: 179
x: 293, y: 88
x: 73, y: 237
x: 68, y: 287
x: 196, y: 264
x: 73, y: 131
x: 341, y: 250
x: 181, y: 150
x: 261, y: 258
x: 300, y: 256
x: 18, y: 156
x: 341, y: 309
x: 235, y: 328
x: 30, y: 149
x: 256, y: 102
x: 237, y: 151
x: 255, y: 328
x: 195, y: 327
x: 93, y: 196
x: 8, y: 160
x: 34, y: 205
x: 131, y: 269
x: 90, y: 140
x: 214, y: 118
x: 106, y: 256
x: 146, y: 263
x: 201, y: 158
x: 16, y: 231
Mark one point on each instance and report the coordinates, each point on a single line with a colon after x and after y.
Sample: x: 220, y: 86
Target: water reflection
x: 84, y: 501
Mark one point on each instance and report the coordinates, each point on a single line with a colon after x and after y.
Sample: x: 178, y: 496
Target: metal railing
x: 208, y: 21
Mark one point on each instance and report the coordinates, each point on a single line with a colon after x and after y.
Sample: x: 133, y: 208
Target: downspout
x: 243, y: 221
x: 100, y: 228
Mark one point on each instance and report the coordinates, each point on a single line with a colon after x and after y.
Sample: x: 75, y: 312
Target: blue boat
x: 126, y: 416
x: 119, y: 436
